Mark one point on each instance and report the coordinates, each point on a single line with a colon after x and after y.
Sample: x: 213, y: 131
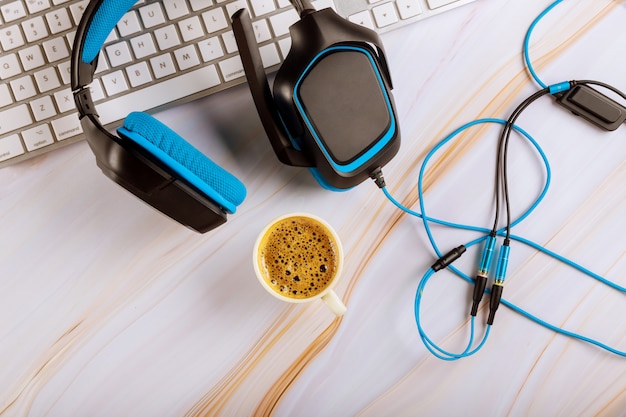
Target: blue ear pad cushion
x: 106, y: 17
x: 184, y: 159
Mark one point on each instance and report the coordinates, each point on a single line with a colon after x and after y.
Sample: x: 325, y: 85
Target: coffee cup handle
x: 334, y: 303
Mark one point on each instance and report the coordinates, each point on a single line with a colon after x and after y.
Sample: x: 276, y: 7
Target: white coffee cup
x: 298, y: 258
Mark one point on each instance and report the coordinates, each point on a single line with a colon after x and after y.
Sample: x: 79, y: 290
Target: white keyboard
x: 162, y: 53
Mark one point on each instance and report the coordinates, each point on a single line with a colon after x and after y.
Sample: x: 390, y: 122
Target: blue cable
x: 430, y: 345
x: 527, y: 42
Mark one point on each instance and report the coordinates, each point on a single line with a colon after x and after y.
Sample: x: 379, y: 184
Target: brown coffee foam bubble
x: 298, y: 257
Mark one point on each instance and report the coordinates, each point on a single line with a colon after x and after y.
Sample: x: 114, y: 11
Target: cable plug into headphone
x: 480, y: 282
x: 498, y: 283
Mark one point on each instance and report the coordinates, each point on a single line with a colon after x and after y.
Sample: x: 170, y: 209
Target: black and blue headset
x: 147, y: 158
x: 331, y: 111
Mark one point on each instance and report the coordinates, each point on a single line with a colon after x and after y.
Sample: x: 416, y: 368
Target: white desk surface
x: 107, y: 308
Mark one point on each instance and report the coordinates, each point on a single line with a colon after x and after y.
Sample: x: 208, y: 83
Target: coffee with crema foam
x: 297, y: 257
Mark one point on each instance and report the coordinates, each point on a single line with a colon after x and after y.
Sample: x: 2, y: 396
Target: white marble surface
x: 108, y: 308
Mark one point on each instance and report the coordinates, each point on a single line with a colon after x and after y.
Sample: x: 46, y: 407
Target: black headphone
x: 333, y: 112
x: 148, y: 158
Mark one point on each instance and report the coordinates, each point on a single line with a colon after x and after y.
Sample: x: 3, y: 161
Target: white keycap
x: 35, y: 29
x: 67, y: 126
x: 197, y: 5
x: 10, y: 147
x: 114, y: 83
x: 65, y: 100
x: 269, y: 55
x: 191, y: 28
x: 59, y: 21
x: 152, y: 15
x: 56, y: 49
x: 5, y: 95
x: 285, y: 46
x: 215, y: 20
x: 261, y: 30
x: 77, y: 9
x: 385, y: 14
x: 35, y: 6
x: 231, y: 68
x: 433, y: 4
x: 281, y: 21
x: 168, y: 90
x: 232, y: 7
x: 143, y: 45
x: 43, y: 108
x: 261, y: 7
x: 37, y: 137
x: 97, y: 92
x: 14, y: 118
x: 175, y: 8
x: 129, y: 24
x: 408, y: 8
x: 66, y: 71
x: 11, y: 38
x: 47, y: 79
x: 31, y: 57
x: 13, y: 11
x: 162, y: 65
x: 118, y: 54
x: 186, y: 57
x: 167, y: 37
x: 211, y: 49
x: 23, y: 88
x: 138, y: 74
x: 363, y: 18
x: 229, y: 41
x: 9, y: 66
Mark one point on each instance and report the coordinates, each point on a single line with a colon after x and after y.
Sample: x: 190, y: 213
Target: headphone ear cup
x: 184, y: 159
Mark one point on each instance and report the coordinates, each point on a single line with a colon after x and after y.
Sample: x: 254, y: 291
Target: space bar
x: 157, y: 94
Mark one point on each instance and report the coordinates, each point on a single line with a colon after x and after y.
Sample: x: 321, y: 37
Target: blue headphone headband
x: 106, y: 16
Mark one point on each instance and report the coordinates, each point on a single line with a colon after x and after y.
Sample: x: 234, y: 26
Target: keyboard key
x: 9, y: 66
x: 385, y: 15
x: 143, y: 45
x: 14, y: 118
x: 211, y: 49
x: 215, y: 20
x: 65, y: 100
x: 152, y: 15
x: 56, y: 49
x: 118, y: 54
x: 175, y: 8
x: 31, y: 57
x: 261, y: 30
x: 67, y: 126
x: 37, y: 137
x: 191, y: 28
x: 363, y: 18
x: 10, y: 147
x: 138, y: 74
x: 13, y: 11
x: 35, y: 29
x: 269, y: 55
x: 281, y: 21
x: 261, y: 7
x: 11, y: 38
x: 77, y: 9
x: 43, y: 108
x: 433, y: 4
x: 47, y: 79
x: 23, y: 88
x: 114, y: 83
x: 129, y: 24
x: 35, y: 6
x: 229, y: 41
x: 162, y: 65
x: 186, y: 57
x: 231, y: 68
x: 408, y: 8
x: 167, y: 37
x: 59, y: 21
x: 5, y: 95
